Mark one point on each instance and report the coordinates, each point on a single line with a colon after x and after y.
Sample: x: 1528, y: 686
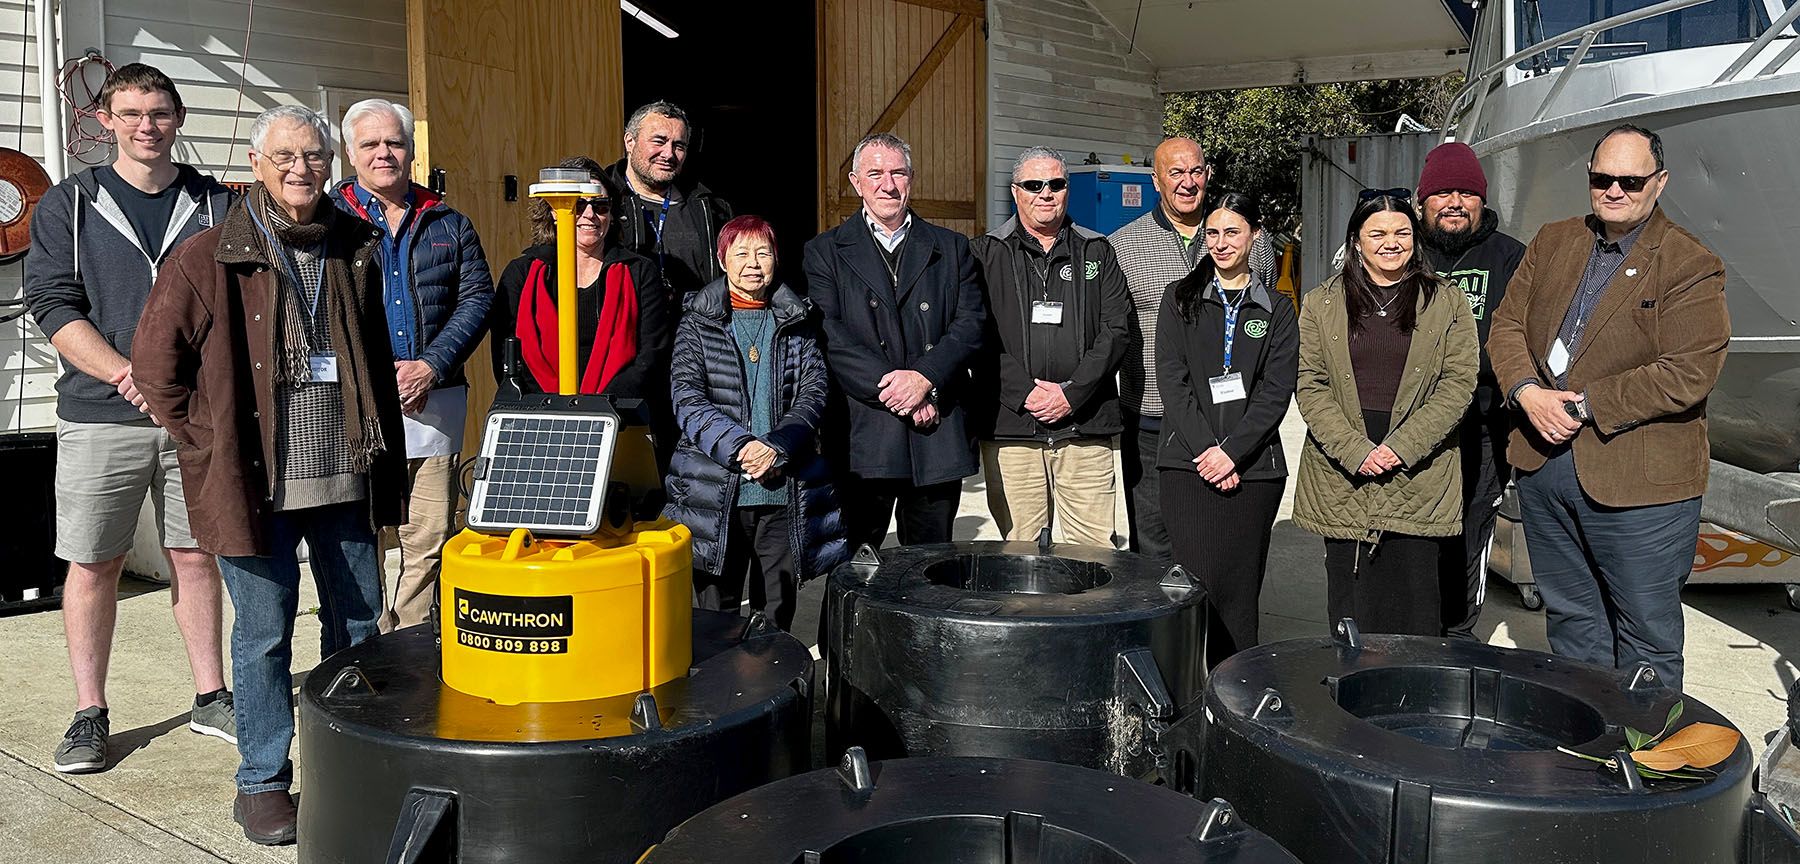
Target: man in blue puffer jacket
x: 436, y: 289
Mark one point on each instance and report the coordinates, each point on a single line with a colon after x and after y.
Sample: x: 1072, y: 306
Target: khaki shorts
x: 103, y: 471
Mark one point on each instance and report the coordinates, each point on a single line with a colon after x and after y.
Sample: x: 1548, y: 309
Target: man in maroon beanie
x: 1463, y: 244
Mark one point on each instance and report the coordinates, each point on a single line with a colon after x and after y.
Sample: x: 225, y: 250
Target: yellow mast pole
x: 561, y: 188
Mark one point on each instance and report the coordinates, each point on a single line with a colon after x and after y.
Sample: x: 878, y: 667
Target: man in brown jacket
x: 262, y: 351
x: 1611, y: 336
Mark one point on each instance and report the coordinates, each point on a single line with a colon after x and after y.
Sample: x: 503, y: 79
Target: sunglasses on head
x: 1627, y: 182
x: 1398, y: 192
x: 1056, y: 184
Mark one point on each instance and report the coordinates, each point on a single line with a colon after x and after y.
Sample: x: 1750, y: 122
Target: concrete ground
x: 167, y: 797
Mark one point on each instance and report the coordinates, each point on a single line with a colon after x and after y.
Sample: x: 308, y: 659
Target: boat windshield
x: 1718, y: 22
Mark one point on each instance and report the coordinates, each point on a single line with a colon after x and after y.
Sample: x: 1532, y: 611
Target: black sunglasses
x: 600, y: 206
x: 1399, y: 192
x: 1627, y: 182
x: 1056, y: 184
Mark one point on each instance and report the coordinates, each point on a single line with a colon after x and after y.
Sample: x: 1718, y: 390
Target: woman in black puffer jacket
x: 749, y: 384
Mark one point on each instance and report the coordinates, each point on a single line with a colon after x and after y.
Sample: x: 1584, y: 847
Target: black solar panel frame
x: 488, y: 513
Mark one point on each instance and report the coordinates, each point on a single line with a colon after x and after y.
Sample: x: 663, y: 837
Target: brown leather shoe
x: 267, y: 817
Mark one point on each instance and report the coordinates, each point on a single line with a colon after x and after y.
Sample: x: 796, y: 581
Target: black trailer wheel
x: 1529, y: 596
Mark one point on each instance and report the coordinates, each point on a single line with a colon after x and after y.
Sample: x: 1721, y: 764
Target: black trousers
x: 1143, y: 502
x: 1463, y: 575
x: 1388, y: 587
x: 926, y: 513
x: 759, y: 550
x: 1223, y: 538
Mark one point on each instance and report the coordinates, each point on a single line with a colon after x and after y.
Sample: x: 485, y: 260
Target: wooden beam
x: 915, y: 84
x: 1311, y: 70
x: 930, y: 208
x: 972, y: 8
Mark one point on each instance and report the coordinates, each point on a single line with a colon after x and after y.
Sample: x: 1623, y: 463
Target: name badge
x: 1559, y: 358
x: 323, y: 368
x: 1227, y: 388
x: 1046, y: 312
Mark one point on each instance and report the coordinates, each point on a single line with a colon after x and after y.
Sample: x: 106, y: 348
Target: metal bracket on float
x: 1347, y: 634
x: 1218, y: 820
x: 350, y: 683
x: 1024, y: 836
x: 645, y: 717
x: 1628, y: 771
x: 865, y: 562
x: 1140, y: 683
x: 755, y: 625
x: 1044, y: 543
x: 1643, y: 678
x: 1179, y: 578
x: 854, y: 770
x: 1271, y: 705
x: 425, y: 815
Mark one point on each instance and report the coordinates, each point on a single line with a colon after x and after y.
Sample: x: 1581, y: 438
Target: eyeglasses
x: 1056, y: 184
x: 1629, y: 183
x: 600, y: 206
x: 131, y: 119
x: 283, y: 160
x: 1398, y: 192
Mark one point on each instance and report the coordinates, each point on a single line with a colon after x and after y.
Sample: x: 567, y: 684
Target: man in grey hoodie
x: 98, y: 239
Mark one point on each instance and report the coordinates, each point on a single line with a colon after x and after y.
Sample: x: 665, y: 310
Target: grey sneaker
x: 218, y: 719
x: 83, y: 748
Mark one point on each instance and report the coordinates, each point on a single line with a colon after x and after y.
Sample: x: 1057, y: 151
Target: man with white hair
x: 903, y: 318
x: 1059, y: 328
x: 262, y: 350
x: 436, y: 289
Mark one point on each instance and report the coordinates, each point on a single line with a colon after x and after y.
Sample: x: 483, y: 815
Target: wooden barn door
x: 505, y: 87
x: 918, y: 69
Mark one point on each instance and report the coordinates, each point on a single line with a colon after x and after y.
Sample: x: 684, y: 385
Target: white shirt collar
x: 890, y: 242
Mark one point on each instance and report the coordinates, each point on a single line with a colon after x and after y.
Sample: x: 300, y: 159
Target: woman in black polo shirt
x: 1225, y: 362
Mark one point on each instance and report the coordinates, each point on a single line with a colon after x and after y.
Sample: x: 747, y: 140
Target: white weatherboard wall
x: 299, y: 49
x: 1061, y: 76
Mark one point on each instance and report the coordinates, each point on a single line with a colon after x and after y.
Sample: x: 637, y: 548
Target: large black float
x: 1408, y: 750
x: 397, y: 767
x: 965, y: 810
x: 1069, y: 654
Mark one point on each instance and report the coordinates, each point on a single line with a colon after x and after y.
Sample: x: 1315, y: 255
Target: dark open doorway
x: 747, y: 80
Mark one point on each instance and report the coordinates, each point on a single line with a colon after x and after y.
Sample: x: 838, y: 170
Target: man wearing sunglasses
x: 1463, y: 243
x: 436, y: 289
x: 1058, y: 331
x: 1610, y: 338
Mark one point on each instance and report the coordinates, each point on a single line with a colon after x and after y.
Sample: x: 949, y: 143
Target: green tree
x: 1253, y: 137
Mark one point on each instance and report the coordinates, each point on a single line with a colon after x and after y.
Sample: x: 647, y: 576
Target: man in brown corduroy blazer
x: 1609, y: 340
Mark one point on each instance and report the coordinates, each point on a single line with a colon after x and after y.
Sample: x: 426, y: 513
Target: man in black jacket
x: 1058, y: 332
x: 1463, y: 244
x: 903, y: 318
x: 664, y: 215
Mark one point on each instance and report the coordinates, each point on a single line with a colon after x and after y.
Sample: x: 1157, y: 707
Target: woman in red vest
x: 624, y: 321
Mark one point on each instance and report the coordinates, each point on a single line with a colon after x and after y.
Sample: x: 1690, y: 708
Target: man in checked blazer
x: 1609, y: 340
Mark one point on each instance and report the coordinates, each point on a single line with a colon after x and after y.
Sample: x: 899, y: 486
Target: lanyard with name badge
x: 661, y: 218
x: 1046, y: 311
x: 1229, y: 387
x: 322, y: 367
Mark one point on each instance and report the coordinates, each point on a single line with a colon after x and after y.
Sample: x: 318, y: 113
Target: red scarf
x: 615, y: 335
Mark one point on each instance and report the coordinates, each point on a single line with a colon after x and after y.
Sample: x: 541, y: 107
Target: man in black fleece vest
x: 1464, y: 245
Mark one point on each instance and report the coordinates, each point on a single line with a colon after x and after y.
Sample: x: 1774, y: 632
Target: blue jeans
x: 265, y: 595
x: 1611, y: 577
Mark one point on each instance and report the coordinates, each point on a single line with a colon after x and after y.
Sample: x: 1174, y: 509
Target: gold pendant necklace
x: 755, y: 355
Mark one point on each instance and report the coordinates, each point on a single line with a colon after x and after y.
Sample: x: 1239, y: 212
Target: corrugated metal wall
x: 1332, y: 172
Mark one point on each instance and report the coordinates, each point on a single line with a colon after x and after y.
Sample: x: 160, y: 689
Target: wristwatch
x: 932, y: 396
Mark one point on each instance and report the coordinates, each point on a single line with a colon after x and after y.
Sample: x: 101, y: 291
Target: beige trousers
x: 432, y: 515
x: 1026, y: 479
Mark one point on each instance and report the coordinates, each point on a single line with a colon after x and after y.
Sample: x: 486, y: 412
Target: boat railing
x: 1465, y: 106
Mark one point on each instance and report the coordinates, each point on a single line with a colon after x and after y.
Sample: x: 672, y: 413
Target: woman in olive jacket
x: 1388, y: 359
x: 1224, y: 397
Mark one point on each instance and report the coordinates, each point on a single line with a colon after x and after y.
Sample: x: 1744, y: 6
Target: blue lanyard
x: 287, y: 263
x: 660, y: 219
x: 1231, y: 319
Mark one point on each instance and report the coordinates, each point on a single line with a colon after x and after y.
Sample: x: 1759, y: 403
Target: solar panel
x: 543, y: 471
